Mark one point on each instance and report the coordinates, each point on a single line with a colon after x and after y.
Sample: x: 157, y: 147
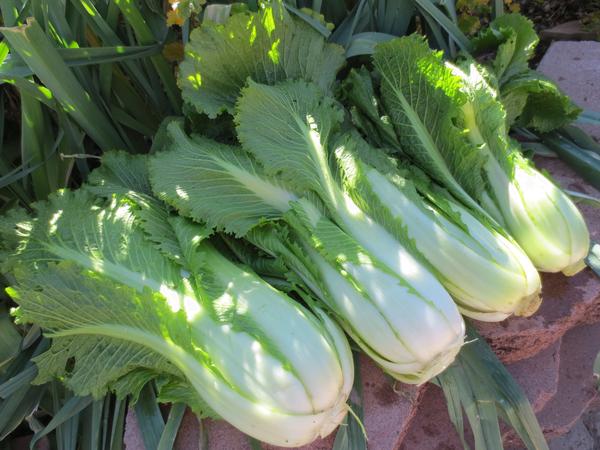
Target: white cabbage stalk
x: 399, y: 315
x: 289, y: 397
x: 541, y: 218
x: 537, y: 213
x: 489, y: 276
x: 96, y: 279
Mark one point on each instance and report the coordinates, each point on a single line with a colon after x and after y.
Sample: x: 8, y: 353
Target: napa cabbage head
x: 130, y: 294
x: 537, y: 213
x: 451, y: 124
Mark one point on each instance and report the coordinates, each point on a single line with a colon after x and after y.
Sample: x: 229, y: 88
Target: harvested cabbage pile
x: 297, y: 209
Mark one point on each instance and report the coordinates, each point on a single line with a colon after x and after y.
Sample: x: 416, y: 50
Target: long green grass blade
x: 10, y: 12
x: 105, y: 72
x: 354, y: 23
x: 41, y: 93
x: 10, y: 338
x: 436, y: 35
x: 35, y: 139
x: 445, y: 22
x: 172, y: 427
x: 17, y: 407
x: 16, y: 382
x: 118, y: 424
x: 105, y: 29
x: 74, y: 57
x: 498, y: 8
x: 364, y: 43
x: 586, y: 162
x: 44, y: 60
x: 581, y: 197
x: 149, y: 418
x: 72, y: 407
x: 589, y: 117
x: 91, y: 427
x: 593, y: 258
x: 479, y: 382
x: 394, y: 17
x: 145, y: 36
x: 351, y: 433
x: 580, y: 138
x: 125, y: 119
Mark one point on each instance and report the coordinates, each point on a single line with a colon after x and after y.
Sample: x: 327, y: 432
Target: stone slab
x: 576, y: 385
x: 541, y: 388
x: 431, y: 428
x: 573, y: 30
x: 575, y: 66
x: 578, y: 438
x: 558, y: 383
x: 575, y: 391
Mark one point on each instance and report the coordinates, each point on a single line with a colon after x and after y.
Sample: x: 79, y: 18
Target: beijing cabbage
x: 450, y: 123
x: 129, y: 293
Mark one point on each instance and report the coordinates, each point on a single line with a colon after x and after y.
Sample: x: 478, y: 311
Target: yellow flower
x: 173, y: 18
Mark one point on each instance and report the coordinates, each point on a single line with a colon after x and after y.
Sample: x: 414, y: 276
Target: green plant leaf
x: 40, y: 55
x: 481, y: 385
x: 169, y: 434
x: 513, y: 38
x: 14, y: 66
x: 295, y: 145
x: 71, y: 408
x: 423, y: 98
x: 149, y: 418
x: 268, y: 46
x: 237, y: 194
x: 531, y: 100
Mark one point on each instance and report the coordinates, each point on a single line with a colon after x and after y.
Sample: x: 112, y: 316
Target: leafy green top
x: 267, y: 47
x: 423, y: 99
x: 529, y: 98
x: 215, y: 183
x: 288, y: 128
x: 514, y: 39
